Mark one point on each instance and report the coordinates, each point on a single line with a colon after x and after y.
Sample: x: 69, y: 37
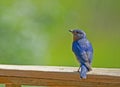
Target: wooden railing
x: 16, y: 75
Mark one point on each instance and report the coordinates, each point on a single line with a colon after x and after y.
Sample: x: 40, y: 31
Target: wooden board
x: 57, y: 76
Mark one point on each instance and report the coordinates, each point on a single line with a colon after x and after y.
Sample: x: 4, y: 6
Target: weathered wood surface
x: 16, y: 75
x: 12, y: 85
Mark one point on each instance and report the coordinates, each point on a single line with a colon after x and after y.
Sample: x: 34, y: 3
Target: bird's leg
x: 78, y: 69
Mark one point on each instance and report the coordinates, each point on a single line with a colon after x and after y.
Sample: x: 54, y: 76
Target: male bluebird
x: 83, y: 50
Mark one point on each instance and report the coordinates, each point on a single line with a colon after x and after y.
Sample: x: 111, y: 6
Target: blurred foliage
x: 35, y: 32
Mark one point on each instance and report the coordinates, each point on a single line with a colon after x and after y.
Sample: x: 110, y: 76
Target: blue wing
x: 83, y: 51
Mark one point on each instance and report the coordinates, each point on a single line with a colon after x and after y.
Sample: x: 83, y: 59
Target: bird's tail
x: 83, y: 72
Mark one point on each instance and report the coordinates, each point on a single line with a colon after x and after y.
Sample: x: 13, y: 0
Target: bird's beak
x: 71, y: 31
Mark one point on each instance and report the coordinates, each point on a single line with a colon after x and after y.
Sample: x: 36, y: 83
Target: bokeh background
x: 35, y: 32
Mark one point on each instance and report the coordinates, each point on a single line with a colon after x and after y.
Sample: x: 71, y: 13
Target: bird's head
x: 78, y: 34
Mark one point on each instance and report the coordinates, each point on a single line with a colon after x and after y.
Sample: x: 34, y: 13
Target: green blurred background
x: 35, y: 32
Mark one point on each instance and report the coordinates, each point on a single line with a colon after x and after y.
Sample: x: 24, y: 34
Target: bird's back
x: 83, y: 45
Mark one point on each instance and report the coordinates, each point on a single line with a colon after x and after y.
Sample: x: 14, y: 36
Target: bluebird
x: 83, y: 51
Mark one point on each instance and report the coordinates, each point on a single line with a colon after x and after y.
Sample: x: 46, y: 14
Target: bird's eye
x: 79, y: 32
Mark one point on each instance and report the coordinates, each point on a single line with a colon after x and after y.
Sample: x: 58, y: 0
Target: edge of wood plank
x: 95, y: 71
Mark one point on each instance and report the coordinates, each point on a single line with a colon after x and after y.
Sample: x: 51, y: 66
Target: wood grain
x: 12, y: 85
x: 15, y: 76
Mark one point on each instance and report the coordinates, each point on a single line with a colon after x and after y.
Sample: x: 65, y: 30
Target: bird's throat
x: 75, y: 38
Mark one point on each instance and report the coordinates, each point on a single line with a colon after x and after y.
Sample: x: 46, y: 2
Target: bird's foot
x: 89, y: 69
x: 83, y: 78
x: 78, y: 70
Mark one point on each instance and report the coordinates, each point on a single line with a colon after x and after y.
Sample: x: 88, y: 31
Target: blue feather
x: 83, y: 50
